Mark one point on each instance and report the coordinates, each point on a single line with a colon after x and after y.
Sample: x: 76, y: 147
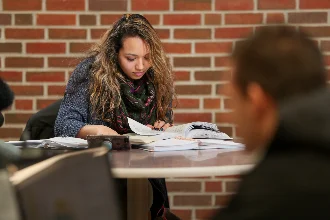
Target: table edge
x: 180, y: 171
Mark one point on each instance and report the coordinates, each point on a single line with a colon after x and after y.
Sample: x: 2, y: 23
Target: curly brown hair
x: 106, y: 72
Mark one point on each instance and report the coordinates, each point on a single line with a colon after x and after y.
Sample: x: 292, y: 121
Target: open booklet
x: 190, y: 130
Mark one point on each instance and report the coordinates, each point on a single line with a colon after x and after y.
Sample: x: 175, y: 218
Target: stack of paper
x: 171, y: 145
x: 197, y: 144
x: 56, y: 142
x: 69, y: 142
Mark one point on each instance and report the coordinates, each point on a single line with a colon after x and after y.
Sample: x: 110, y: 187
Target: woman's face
x: 134, y: 57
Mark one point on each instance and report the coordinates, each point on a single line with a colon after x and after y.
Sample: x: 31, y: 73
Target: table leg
x: 139, y: 198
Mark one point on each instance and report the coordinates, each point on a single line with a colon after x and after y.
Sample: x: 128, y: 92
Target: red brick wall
x: 41, y: 42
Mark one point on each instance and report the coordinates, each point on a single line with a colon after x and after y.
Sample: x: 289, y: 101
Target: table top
x: 138, y: 163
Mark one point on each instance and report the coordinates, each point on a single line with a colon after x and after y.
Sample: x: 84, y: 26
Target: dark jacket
x: 41, y: 124
x: 293, y: 179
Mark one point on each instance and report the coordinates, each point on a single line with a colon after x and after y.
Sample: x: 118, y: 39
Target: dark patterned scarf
x: 138, y: 102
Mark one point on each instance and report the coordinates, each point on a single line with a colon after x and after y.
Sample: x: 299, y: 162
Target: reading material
x: 190, y: 130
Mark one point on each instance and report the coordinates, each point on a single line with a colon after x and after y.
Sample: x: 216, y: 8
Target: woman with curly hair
x: 126, y: 74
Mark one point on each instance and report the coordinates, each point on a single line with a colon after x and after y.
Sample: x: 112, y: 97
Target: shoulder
x: 82, y: 70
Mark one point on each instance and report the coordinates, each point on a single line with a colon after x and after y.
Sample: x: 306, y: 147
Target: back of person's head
x: 274, y: 64
x: 285, y: 62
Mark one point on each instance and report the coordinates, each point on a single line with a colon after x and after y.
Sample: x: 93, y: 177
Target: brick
x: 23, y: 19
x: 23, y: 104
x: 275, y: 18
x: 184, y: 186
x: 56, y: 19
x: 319, y: 4
x: 49, y: 48
x: 10, y: 132
x: 80, y: 47
x: 238, y: 32
x: 187, y: 103
x: 213, y: 47
x: 227, y: 130
x: 182, y: 19
x: 229, y: 177
x: 213, y: 186
x: 45, y: 76
x: 194, y: 200
x: 248, y: 18
x: 212, y: 19
x: 228, y: 104
x: 5, y: 19
x: 63, y: 61
x: 224, y: 89
x: 189, y: 117
x: 308, y: 17
x: 15, y: 33
x: 27, y: 90
x: 232, y: 186
x: 222, y: 61
x: 17, y: 118
x: 65, y: 5
x: 182, y: 75
x: 327, y: 60
x: 21, y: 5
x: 192, y: 61
x: 234, y: 5
x: 87, y: 20
x: 98, y: 33
x: 213, y: 103
x: 325, y: 45
x: 67, y: 33
x: 224, y: 117
x: 222, y: 200
x: 278, y: 4
x: 21, y: 62
x: 177, y: 47
x: 10, y: 47
x: 102, y: 5
x: 11, y: 76
x: 238, y: 132
x: 209, y: 75
x: 163, y: 33
x: 196, y: 33
x: 43, y: 103
x: 56, y: 90
x: 319, y: 31
x: 153, y: 19
x: 109, y: 19
x: 192, y: 5
x: 181, y: 213
x: 205, y: 213
x: 150, y: 5
x: 193, y: 89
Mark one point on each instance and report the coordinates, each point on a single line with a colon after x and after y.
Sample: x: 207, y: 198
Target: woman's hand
x: 95, y: 130
x: 160, y: 125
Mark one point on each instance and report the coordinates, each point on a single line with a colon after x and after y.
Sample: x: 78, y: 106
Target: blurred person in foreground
x: 282, y: 107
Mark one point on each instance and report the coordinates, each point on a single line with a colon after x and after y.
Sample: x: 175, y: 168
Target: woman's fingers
x: 159, y: 124
x: 166, y: 126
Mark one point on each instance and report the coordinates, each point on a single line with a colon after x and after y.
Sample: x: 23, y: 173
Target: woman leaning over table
x: 126, y: 74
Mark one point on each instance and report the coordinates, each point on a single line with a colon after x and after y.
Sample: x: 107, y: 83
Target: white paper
x: 141, y: 129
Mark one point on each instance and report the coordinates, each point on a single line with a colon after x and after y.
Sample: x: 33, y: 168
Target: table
x: 137, y: 165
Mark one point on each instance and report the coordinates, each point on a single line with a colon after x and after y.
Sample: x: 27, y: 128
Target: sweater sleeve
x: 73, y: 113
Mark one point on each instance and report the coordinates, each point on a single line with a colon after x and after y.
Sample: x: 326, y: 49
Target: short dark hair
x: 284, y: 61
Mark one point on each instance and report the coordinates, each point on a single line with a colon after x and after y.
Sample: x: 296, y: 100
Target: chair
x: 76, y: 185
x: 9, y: 209
x: 41, y: 124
